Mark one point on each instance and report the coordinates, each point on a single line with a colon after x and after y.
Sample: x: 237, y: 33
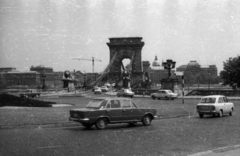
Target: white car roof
x: 213, y: 96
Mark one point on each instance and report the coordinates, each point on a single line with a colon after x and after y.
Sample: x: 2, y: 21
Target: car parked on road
x: 214, y: 105
x: 97, y: 90
x: 104, y: 89
x: 103, y: 111
x: 164, y: 94
x: 125, y: 93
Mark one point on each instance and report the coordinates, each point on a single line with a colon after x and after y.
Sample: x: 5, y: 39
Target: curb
x: 179, y: 97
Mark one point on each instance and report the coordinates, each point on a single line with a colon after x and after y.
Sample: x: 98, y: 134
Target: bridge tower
x: 125, y: 48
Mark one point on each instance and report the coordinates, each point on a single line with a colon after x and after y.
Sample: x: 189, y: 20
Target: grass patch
x: 11, y: 100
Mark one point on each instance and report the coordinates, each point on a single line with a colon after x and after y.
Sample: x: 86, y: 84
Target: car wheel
x: 201, y: 115
x: 166, y: 97
x: 101, y: 123
x: 231, y: 112
x: 159, y: 98
x: 131, y: 96
x: 146, y: 120
x: 153, y: 97
x: 87, y: 126
x: 220, y: 114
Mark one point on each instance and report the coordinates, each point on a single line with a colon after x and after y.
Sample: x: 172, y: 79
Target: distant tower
x: 155, y: 63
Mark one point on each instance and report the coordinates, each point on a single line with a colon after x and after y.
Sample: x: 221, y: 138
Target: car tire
x: 231, y: 112
x: 201, y: 115
x: 153, y: 97
x: 220, y: 114
x: 101, y: 123
x: 159, y: 98
x: 87, y: 126
x: 147, y: 120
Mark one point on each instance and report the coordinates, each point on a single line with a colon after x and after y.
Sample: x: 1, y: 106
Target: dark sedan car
x: 103, y: 111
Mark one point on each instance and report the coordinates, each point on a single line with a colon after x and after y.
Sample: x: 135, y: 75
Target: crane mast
x: 93, y: 59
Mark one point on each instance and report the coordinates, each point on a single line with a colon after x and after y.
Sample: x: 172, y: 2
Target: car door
x: 130, y: 111
x: 127, y: 111
x: 221, y: 104
x: 228, y: 105
x: 114, y: 110
x: 158, y: 94
x: 163, y: 94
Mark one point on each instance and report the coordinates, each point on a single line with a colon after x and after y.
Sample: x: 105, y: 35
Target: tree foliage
x: 231, y: 72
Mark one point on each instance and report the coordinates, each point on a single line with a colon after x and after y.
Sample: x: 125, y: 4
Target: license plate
x: 205, y: 108
x: 75, y: 115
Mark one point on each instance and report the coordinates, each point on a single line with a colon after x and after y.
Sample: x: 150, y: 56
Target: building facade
x: 195, y: 68
x: 31, y: 79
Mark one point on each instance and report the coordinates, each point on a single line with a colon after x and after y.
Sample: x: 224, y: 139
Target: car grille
x: 75, y: 114
x: 205, y: 108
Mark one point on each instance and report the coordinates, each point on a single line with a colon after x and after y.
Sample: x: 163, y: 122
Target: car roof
x: 111, y: 98
x: 213, y: 96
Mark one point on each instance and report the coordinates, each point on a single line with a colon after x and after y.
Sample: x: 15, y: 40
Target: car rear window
x: 208, y: 100
x: 97, y: 103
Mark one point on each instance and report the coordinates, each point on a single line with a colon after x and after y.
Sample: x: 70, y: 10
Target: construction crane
x: 93, y: 59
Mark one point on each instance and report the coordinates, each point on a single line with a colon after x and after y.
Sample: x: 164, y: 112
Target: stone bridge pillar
x: 125, y: 48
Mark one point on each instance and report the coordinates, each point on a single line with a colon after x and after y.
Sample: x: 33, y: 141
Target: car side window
x: 108, y: 105
x: 103, y: 104
x: 132, y: 104
x: 115, y: 104
x: 126, y: 104
x: 220, y: 100
x: 225, y: 99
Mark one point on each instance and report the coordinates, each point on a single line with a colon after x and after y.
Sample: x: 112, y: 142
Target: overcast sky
x: 50, y: 32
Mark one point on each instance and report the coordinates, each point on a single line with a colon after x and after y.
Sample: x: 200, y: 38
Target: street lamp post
x: 95, y: 76
x: 84, y: 80
x: 169, y: 64
x: 208, y: 81
x: 228, y: 78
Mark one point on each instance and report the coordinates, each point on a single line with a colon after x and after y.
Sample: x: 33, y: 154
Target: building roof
x: 193, y: 63
x: 182, y: 66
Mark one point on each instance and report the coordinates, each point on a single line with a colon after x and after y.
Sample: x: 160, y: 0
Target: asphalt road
x: 171, y: 135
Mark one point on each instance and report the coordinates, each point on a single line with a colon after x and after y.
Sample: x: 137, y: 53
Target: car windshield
x: 208, y: 100
x: 169, y: 91
x: 97, y: 103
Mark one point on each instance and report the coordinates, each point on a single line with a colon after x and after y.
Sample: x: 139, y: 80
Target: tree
x: 231, y: 72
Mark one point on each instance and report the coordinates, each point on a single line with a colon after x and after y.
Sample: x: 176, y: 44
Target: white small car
x: 104, y: 89
x: 214, y: 105
x: 165, y: 94
x: 97, y: 90
x: 125, y: 93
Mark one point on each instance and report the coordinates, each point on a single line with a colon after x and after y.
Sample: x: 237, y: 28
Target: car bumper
x: 209, y: 112
x: 85, y: 120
